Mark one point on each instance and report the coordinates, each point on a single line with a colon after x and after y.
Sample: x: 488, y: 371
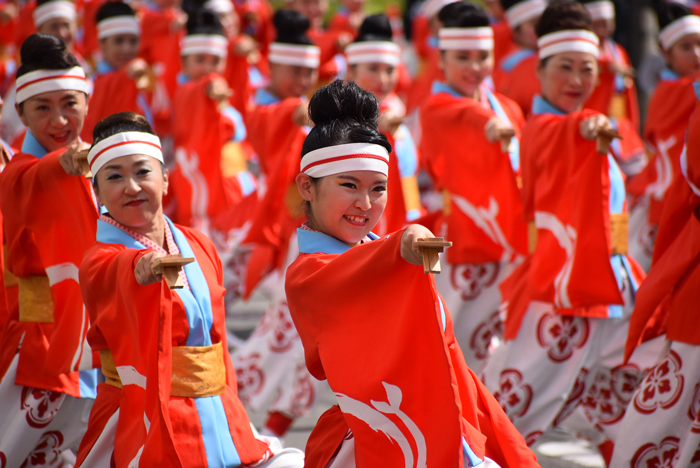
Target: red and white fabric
x: 662, y: 423
x: 37, y: 426
x: 43, y: 81
x: 677, y: 29
x: 570, y: 40
x: 524, y: 11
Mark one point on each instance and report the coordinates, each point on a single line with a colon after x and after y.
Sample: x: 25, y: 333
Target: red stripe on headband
x: 459, y: 38
x: 347, y: 156
x: 373, y: 51
x: 50, y: 78
x: 298, y: 53
x: 568, y: 39
x: 124, y: 143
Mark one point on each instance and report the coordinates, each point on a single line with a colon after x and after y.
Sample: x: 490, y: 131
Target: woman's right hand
x: 144, y: 271
x: 493, y: 129
x: 409, y: 250
x: 301, y: 115
x: 74, y: 159
x: 592, y: 125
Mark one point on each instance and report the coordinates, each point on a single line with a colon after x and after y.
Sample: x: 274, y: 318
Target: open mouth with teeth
x: 61, y: 136
x: 356, y: 220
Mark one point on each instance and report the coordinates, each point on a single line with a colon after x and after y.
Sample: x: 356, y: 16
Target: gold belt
x: 35, y: 302
x: 619, y: 233
x: 198, y: 371
x: 10, y: 279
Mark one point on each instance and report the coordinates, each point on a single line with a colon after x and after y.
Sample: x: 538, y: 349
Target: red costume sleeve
x: 113, y: 92
x: 521, y: 84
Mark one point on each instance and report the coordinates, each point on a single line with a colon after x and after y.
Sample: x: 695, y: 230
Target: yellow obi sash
x: 198, y: 371
x: 35, y: 302
x: 619, y: 233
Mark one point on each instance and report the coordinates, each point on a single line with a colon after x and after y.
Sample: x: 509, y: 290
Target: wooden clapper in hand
x: 506, y: 138
x: 604, y: 138
x: 431, y: 249
x: 82, y: 158
x: 170, y: 267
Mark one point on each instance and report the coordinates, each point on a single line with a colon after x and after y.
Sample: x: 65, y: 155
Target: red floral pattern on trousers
x: 249, y: 375
x: 575, y: 397
x: 481, y: 338
x: 284, y: 333
x: 662, y: 386
x: 663, y: 455
x: 47, y: 451
x: 532, y: 437
x: 471, y: 279
x: 694, y: 410
x: 513, y: 396
x: 608, y: 396
x: 561, y: 335
x: 304, y: 392
x: 41, y: 405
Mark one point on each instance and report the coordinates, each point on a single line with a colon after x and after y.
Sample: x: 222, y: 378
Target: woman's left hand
x: 592, y: 125
x: 409, y: 250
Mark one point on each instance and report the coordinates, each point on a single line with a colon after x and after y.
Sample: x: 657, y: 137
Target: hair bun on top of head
x: 291, y: 27
x: 463, y: 15
x: 562, y: 15
x: 112, y: 9
x: 203, y: 21
x: 375, y: 28
x: 44, y: 52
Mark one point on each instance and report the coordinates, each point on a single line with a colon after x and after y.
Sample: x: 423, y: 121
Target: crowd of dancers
x: 164, y: 161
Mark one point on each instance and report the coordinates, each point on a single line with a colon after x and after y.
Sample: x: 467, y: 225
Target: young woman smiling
x: 361, y: 305
x: 568, y: 305
x: 154, y: 409
x: 49, y: 217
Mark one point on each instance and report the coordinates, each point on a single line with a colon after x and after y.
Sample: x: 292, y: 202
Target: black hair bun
x: 463, y: 15
x: 112, y: 9
x: 375, y: 28
x: 291, y: 27
x: 343, y: 113
x: 44, y: 51
x: 562, y: 15
x: 204, y: 22
x: 505, y: 4
x: 668, y: 12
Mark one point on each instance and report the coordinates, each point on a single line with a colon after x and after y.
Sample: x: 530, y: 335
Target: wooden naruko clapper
x: 170, y: 267
x: 431, y: 249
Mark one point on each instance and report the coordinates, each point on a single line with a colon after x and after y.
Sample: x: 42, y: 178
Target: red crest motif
x: 249, y: 376
x: 611, y: 391
x: 284, y: 333
x: 47, y: 451
x: 662, y: 386
x: 304, y: 392
x: 41, y: 406
x: 561, y: 335
x: 513, y: 396
x: 532, y: 437
x: 575, y: 397
x: 664, y: 455
x: 470, y: 280
x: 484, y: 333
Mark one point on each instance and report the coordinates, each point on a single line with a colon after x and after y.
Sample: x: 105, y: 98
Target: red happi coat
x: 201, y: 188
x: 516, y: 78
x: 112, y: 92
x: 667, y: 120
x: 405, y: 404
x: 666, y: 301
x: 485, y: 213
x: 420, y: 87
x: 140, y: 325
x: 8, y: 283
x: 614, y: 96
x: 237, y: 77
x: 49, y: 220
x: 503, y: 44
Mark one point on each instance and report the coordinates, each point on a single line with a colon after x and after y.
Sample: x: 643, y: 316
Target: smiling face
x: 346, y: 206
x: 55, y: 118
x: 119, y: 50
x: 684, y: 55
x: 465, y: 70
x: 195, y: 66
x: 290, y: 81
x: 378, y: 78
x: 132, y: 189
x: 62, y: 27
x: 568, y: 79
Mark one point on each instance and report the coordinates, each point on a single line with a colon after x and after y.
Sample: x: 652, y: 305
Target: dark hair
x: 668, y: 12
x: 204, y: 22
x: 463, y: 15
x: 291, y: 27
x: 342, y: 112
x: 561, y: 15
x: 112, y: 9
x: 505, y: 4
x: 44, y: 52
x: 375, y: 28
x: 119, y: 123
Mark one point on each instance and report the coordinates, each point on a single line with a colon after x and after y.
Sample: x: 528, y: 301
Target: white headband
x: 295, y: 54
x: 524, y: 11
x: 219, y: 6
x: 685, y: 25
x: 213, y: 44
x: 465, y: 38
x: 123, y: 144
x: 433, y: 7
x: 604, y: 9
x: 44, y: 81
x: 373, y: 52
x: 346, y: 158
x: 570, y: 40
x: 125, y: 24
x: 51, y: 10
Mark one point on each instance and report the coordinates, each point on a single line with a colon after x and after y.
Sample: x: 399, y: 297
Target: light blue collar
x: 31, y: 145
x: 182, y: 79
x: 696, y: 86
x: 542, y: 106
x: 669, y: 75
x: 440, y: 87
x: 102, y: 68
x: 317, y: 242
x: 264, y: 98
